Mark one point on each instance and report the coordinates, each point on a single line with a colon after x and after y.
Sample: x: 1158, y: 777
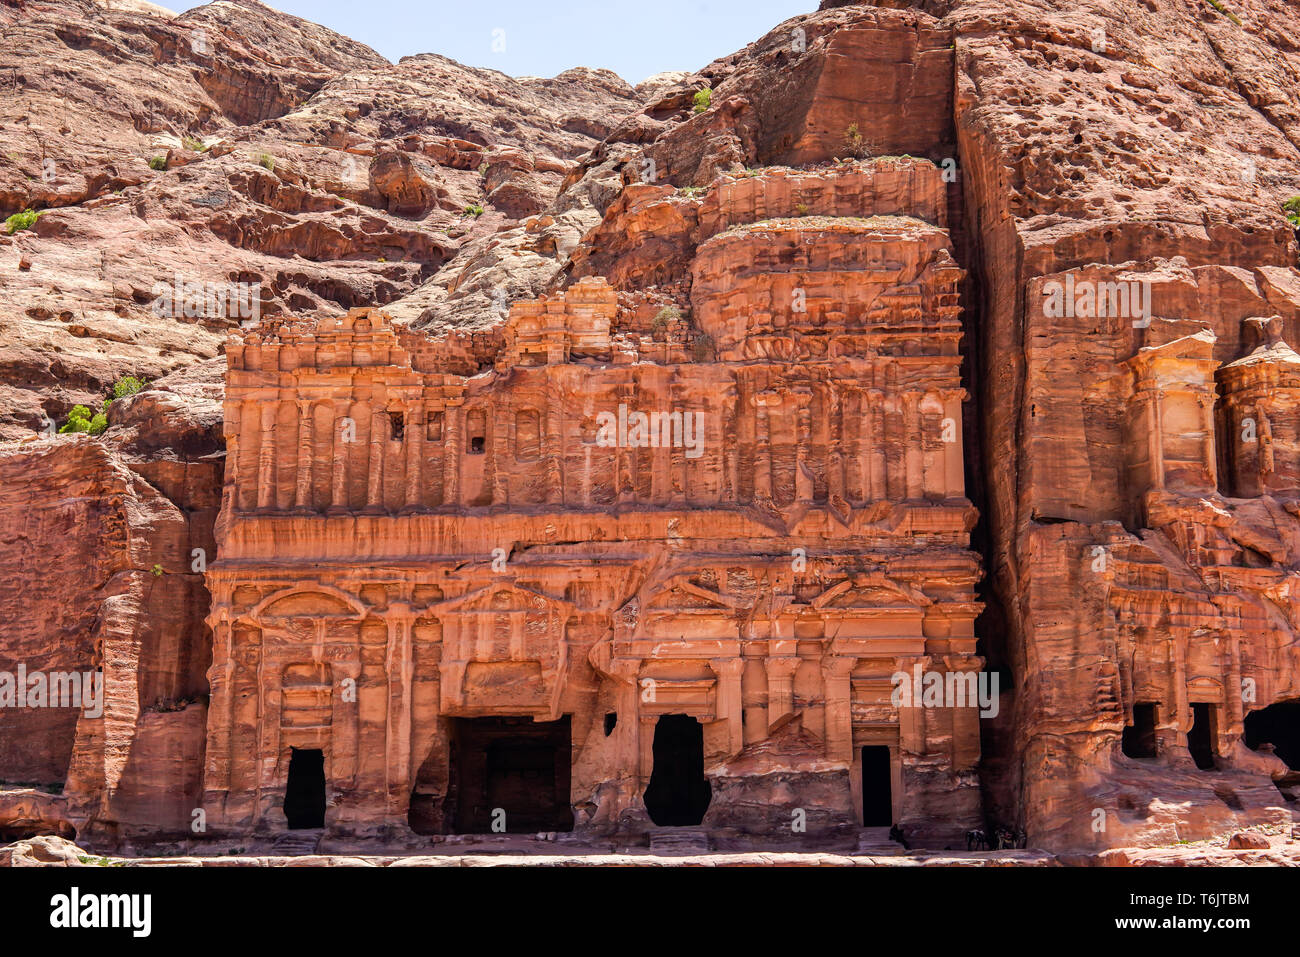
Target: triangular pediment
x: 872, y: 592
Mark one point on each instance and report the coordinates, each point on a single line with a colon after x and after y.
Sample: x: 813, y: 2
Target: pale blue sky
x: 634, y: 38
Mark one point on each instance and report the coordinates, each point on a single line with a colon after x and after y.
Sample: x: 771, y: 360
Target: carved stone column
x: 729, y: 671
x: 839, y: 714
x: 375, y: 475
x: 266, y: 456
x: 344, y: 433
x: 302, y: 489
x: 781, y: 665
x: 416, y: 417
x: 400, y: 669
x: 451, y: 423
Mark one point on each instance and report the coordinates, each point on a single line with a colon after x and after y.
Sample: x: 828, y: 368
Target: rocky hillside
x: 235, y: 144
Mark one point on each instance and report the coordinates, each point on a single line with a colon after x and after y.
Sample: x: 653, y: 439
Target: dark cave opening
x: 678, y: 793
x: 1277, y: 725
x: 877, y: 787
x: 304, y: 793
x: 1200, y: 739
x: 1139, y: 738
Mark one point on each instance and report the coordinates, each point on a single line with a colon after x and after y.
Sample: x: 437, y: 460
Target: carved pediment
x: 681, y: 594
x: 871, y: 591
x: 498, y: 599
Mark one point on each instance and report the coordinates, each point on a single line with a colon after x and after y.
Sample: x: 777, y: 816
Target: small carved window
x: 433, y: 429
x: 476, y: 429
x: 396, y: 426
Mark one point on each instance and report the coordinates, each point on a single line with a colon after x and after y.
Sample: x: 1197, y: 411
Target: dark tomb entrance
x: 304, y: 794
x: 1139, y: 738
x: 514, y: 766
x: 678, y: 794
x: 1277, y: 726
x: 1200, y: 739
x: 877, y: 787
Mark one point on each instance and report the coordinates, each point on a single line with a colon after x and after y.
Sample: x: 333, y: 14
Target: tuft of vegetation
x: 702, y: 99
x: 691, y: 191
x: 801, y: 209
x: 157, y: 571
x: 266, y: 161
x: 20, y: 221
x: 127, y: 385
x: 158, y: 163
x: 1225, y: 11
x: 855, y: 143
x: 659, y: 325
x: 81, y: 420
x: 475, y: 210
x: 194, y: 144
x: 1292, y: 209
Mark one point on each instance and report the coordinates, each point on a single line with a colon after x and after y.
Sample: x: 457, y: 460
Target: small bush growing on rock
x: 1292, y: 209
x: 801, y: 209
x: 127, y: 385
x: 19, y: 221
x: 691, y: 191
x: 856, y: 143
x: 474, y: 210
x: 80, y: 420
x: 667, y: 314
x: 702, y: 99
x: 1225, y: 11
x: 193, y: 144
x: 158, y: 163
x: 266, y: 161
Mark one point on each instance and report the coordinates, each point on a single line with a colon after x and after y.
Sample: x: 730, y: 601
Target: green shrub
x: 80, y: 420
x: 127, y: 385
x: 266, y: 161
x: 193, y: 144
x: 856, y: 143
x: 1225, y: 11
x: 691, y: 191
x: 1292, y: 208
x: 158, y: 163
x: 474, y: 210
x: 702, y: 99
x: 19, y: 221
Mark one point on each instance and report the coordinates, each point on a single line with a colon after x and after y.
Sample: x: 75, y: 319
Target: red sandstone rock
x: 1142, y: 550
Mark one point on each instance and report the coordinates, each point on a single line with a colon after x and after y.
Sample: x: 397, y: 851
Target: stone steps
x: 875, y: 841
x: 297, y: 843
x: 670, y: 841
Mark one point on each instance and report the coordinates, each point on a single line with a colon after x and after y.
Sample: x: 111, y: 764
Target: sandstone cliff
x: 1134, y: 472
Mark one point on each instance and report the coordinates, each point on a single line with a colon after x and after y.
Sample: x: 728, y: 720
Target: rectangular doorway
x: 877, y: 787
x: 304, y: 792
x: 1138, y: 740
x: 510, y: 775
x: 1200, y: 739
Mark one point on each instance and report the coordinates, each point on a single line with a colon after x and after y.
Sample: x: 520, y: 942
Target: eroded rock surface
x: 968, y: 287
